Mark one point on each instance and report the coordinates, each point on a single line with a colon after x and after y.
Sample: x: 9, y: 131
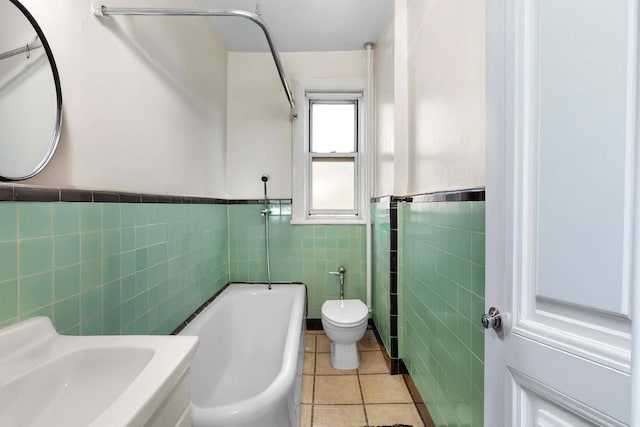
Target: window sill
x: 328, y: 221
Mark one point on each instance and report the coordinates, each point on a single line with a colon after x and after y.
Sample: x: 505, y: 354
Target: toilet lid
x: 346, y: 311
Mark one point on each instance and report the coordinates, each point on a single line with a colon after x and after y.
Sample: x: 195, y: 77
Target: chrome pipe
x: 340, y: 273
x: 266, y: 212
x: 22, y: 49
x: 107, y: 11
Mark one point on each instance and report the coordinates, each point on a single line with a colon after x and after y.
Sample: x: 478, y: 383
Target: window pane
x: 333, y: 184
x: 333, y: 128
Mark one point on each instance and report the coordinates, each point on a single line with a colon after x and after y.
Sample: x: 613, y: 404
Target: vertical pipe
x: 265, y: 212
x: 370, y: 169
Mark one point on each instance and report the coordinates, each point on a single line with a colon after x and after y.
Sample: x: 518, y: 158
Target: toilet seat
x: 345, y: 313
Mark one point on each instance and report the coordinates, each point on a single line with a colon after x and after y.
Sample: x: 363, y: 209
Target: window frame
x: 306, y: 92
x: 347, y: 100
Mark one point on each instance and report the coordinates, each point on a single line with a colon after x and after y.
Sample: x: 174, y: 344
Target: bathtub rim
x: 212, y: 298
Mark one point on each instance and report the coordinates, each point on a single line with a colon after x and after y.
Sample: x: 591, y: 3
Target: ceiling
x: 302, y: 25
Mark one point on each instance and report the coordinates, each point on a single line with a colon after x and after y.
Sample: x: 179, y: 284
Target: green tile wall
x: 380, y: 216
x: 100, y: 268
x: 298, y: 253
x: 442, y: 283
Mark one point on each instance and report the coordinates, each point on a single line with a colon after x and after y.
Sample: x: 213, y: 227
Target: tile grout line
x: 18, y: 275
x: 364, y: 408
x: 313, y: 384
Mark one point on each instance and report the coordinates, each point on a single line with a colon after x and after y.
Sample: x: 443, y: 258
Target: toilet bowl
x: 345, y: 322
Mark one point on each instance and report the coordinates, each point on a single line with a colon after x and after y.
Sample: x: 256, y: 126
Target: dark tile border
x: 316, y: 325
x: 21, y: 193
x: 199, y: 310
x: 106, y: 197
x: 468, y: 195
x: 6, y: 193
x: 381, y: 199
x: 28, y: 194
x: 259, y: 201
x: 76, y: 196
x: 393, y: 285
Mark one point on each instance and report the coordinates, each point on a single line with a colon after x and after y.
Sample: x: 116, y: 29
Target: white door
x: 561, y: 164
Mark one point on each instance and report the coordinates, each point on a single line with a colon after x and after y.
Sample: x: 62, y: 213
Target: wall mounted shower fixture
x: 101, y: 10
x: 266, y: 212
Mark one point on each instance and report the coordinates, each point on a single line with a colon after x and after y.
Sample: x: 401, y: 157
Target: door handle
x: 492, y: 319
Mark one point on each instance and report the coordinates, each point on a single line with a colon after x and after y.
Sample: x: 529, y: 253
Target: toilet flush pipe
x: 370, y: 170
x: 340, y: 273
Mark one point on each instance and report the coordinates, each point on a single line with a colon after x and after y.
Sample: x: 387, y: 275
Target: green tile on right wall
x: 442, y: 288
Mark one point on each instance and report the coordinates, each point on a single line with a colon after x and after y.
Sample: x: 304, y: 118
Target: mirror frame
x: 56, y: 80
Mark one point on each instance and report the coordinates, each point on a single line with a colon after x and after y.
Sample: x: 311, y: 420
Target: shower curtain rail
x: 106, y: 11
x: 35, y: 44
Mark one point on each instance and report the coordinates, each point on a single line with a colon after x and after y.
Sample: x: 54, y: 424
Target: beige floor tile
x: 338, y: 416
x: 372, y: 362
x: 323, y: 344
x: 310, y: 343
x: 393, y: 414
x: 305, y: 415
x: 309, y: 363
x: 337, y: 389
x: 384, y: 389
x: 315, y: 332
x: 369, y: 342
x: 307, y: 388
x: 324, y: 367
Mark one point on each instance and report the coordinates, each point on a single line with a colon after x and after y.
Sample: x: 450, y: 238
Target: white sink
x: 47, y: 379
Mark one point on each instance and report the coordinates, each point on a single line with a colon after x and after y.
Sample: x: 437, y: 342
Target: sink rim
x: 140, y: 398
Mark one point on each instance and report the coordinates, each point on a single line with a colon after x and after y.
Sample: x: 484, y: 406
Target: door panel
x: 561, y: 111
x: 577, y: 81
x: 539, y: 411
x: 573, y: 168
x: 566, y: 378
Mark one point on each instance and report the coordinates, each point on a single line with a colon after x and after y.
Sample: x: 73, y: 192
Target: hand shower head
x: 265, y: 178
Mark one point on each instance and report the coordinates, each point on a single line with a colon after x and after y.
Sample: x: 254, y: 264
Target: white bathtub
x: 248, y: 368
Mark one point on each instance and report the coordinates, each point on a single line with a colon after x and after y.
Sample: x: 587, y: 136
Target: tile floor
x: 368, y: 396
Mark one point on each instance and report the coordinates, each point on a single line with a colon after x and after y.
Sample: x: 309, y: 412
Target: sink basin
x: 55, y: 388
x: 47, y: 379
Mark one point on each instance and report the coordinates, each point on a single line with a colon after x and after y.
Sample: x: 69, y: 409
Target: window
x: 329, y: 152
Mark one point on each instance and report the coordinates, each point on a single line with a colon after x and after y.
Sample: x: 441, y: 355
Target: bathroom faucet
x: 340, y: 272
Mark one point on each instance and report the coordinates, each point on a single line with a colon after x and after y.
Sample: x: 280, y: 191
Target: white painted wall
x: 401, y: 95
x: 446, y: 87
x: 430, y: 96
x: 27, y: 97
x: 259, y: 128
x: 385, y: 110
x: 144, y: 100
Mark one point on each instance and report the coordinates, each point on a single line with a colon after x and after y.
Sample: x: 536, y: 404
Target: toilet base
x: 345, y: 356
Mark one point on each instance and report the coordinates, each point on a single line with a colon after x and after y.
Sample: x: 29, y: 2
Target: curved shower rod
x: 105, y: 11
x: 35, y: 44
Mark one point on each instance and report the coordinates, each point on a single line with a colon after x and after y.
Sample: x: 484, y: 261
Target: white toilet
x: 345, y: 322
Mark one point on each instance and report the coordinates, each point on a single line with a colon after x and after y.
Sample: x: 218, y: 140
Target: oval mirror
x: 30, y: 95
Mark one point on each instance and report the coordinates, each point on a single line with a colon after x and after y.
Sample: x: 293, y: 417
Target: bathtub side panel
x: 248, y: 328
